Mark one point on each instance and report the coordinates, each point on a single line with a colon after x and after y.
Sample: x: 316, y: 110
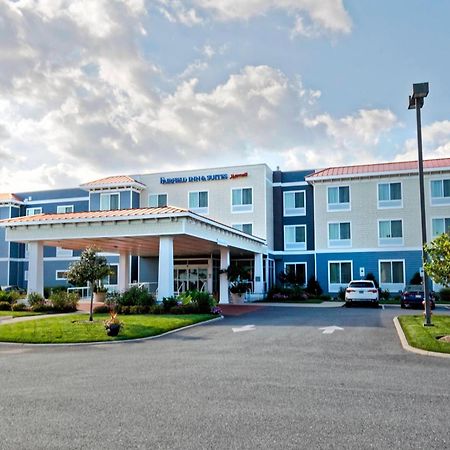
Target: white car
x: 361, y: 291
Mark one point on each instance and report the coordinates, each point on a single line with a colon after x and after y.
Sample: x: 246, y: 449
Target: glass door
x: 190, y: 278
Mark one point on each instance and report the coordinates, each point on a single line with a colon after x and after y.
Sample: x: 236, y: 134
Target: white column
x: 165, y: 267
x: 210, y: 275
x: 124, y: 271
x: 35, y: 268
x: 258, y: 274
x: 223, y: 279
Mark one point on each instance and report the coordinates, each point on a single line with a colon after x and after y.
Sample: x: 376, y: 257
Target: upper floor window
x: 294, y: 203
x: 241, y: 200
x: 157, y: 200
x: 62, y: 209
x: 109, y: 202
x: 440, y: 192
x: 295, y: 237
x: 33, y: 211
x: 245, y: 227
x: 339, y: 198
x: 198, y: 201
x: 339, y: 234
x: 389, y: 195
x: 439, y: 226
x: 390, y: 232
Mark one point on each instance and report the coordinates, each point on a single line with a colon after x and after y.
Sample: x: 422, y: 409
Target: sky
x: 93, y: 88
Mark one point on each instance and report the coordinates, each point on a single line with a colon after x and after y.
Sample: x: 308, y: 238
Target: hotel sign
x: 200, y: 178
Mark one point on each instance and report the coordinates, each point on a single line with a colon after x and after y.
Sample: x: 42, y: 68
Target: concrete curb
x: 409, y: 348
x: 124, y: 341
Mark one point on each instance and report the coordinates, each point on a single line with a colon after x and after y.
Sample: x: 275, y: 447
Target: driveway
x: 268, y: 379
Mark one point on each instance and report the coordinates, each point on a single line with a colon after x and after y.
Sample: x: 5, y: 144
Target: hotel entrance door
x: 189, y: 278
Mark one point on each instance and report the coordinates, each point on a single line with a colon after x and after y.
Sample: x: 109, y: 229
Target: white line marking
x: 244, y: 328
x: 330, y: 330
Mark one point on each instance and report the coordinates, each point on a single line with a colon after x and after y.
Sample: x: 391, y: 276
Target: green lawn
x: 425, y: 337
x: 19, y: 313
x: 76, y: 328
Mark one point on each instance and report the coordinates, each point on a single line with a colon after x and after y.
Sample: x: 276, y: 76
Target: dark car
x: 413, y: 296
x: 13, y: 288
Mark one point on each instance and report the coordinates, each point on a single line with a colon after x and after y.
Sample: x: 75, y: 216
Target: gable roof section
x: 114, y: 182
x: 9, y: 198
x: 367, y: 170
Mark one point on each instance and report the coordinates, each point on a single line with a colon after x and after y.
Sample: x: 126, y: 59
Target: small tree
x: 438, y: 264
x: 88, y: 270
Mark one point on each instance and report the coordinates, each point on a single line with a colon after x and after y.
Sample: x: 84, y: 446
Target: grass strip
x: 76, y: 328
x: 425, y: 337
x: 19, y: 313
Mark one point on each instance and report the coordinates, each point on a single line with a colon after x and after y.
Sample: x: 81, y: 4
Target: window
x: 63, y: 253
x: 33, y: 211
x: 157, y: 200
x: 296, y: 273
x: 392, y: 272
x: 61, y: 275
x: 440, y: 192
x: 113, y: 277
x: 339, y: 234
x: 198, y: 202
x: 339, y: 274
x: 389, y: 195
x: 241, y: 200
x: 339, y: 198
x: 294, y: 203
x: 109, y: 202
x: 390, y: 232
x: 25, y: 275
x: 62, y: 209
x: 295, y: 237
x: 439, y: 226
x: 245, y: 227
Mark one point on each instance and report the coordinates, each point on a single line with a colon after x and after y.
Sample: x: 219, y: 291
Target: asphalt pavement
x: 275, y: 378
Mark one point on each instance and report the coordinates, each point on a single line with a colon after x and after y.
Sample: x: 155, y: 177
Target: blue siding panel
x: 136, y: 200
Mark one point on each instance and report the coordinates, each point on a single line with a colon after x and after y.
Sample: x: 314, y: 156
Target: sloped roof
x: 80, y: 216
x: 9, y: 198
x: 114, y: 181
x: 380, y: 168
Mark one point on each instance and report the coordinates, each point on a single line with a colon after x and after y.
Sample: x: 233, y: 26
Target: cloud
x: 435, y: 141
x: 324, y: 15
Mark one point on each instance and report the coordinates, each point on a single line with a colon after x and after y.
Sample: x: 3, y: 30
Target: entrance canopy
x: 166, y: 232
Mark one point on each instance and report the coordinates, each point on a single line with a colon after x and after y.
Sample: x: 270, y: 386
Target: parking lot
x: 272, y: 378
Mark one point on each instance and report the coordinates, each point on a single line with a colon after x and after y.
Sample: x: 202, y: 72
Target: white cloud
x: 327, y: 15
x: 435, y: 141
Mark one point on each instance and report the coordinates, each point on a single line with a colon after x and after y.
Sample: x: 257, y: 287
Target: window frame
x: 334, y: 287
x: 61, y: 271
x: 339, y: 243
x: 392, y: 286
x: 109, y: 194
x: 303, y: 245
x: 301, y: 211
x: 389, y: 204
x: 439, y: 218
x: 348, y: 205
x: 295, y: 263
x: 63, y: 253
x: 236, y: 225
x: 444, y: 199
x: 199, y: 209
x: 390, y: 241
x: 157, y: 195
x: 64, y: 206
x: 28, y: 211
x: 242, y: 207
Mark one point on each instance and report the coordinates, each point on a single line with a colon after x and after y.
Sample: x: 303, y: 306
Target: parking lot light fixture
x: 416, y: 101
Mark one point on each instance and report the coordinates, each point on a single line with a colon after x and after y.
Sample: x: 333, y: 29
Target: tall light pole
x: 420, y: 91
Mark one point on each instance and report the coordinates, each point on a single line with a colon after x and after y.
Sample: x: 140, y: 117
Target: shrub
x: 168, y: 303
x: 157, y: 309
x: 35, y: 299
x: 64, y: 302
x: 47, y: 291
x: 136, y: 296
x: 416, y: 279
x: 341, y: 294
x: 371, y: 277
x: 9, y: 296
x: 43, y: 308
x: 444, y: 295
x: 385, y: 294
x: 102, y: 309
x: 184, y: 309
x: 204, y: 301
x: 123, y: 309
x: 18, y: 307
x: 313, y: 287
x: 5, y: 306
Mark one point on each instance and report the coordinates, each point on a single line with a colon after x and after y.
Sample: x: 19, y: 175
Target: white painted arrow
x: 244, y: 328
x: 331, y: 329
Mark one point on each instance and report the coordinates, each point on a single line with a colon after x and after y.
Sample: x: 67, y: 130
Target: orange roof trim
x: 114, y: 181
x: 10, y: 198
